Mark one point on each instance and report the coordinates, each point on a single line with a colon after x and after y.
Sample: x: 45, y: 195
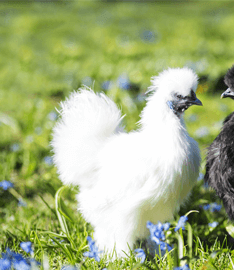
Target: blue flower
x: 166, y: 226
x: 148, y: 36
x: 5, y: 264
x: 181, y: 223
x: 48, y: 160
x: 26, y: 246
x: 15, y: 147
x: 52, y: 116
x: 21, y: 265
x: 106, y: 85
x: 215, y: 207
x: 164, y: 246
x: 206, y: 207
x: 123, y: 82
x: 213, y: 224
x: 22, y: 203
x: 69, y: 267
x: 157, y: 234
x: 88, y: 81
x: 185, y: 267
x: 6, y: 184
x: 140, y: 254
x: 93, y: 250
x: 17, y: 261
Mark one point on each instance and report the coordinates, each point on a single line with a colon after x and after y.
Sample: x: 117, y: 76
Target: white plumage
x: 127, y: 179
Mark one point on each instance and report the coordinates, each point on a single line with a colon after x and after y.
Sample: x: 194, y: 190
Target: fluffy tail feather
x: 87, y: 120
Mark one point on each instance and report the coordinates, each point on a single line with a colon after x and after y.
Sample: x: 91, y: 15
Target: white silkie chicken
x: 127, y: 179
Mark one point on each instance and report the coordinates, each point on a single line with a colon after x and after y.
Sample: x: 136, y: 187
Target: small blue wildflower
x: 26, y: 246
x: 206, y: 207
x: 69, y: 267
x: 93, y: 250
x: 164, y: 246
x: 214, y: 207
x: 22, y: 203
x: 148, y: 36
x: 157, y: 234
x: 123, y: 82
x: 8, y: 255
x: 106, y: 85
x: 21, y: 265
x: 52, y: 116
x: 15, y: 147
x: 166, y: 226
x: 48, y: 160
x: 5, y: 264
x: 185, y: 267
x: 87, y: 81
x: 156, y: 231
x: 213, y: 224
x: 17, y: 261
x: 6, y: 184
x: 140, y: 254
x: 181, y: 223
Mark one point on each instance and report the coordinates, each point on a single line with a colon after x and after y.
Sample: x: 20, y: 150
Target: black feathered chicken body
x: 220, y: 156
x: 220, y: 165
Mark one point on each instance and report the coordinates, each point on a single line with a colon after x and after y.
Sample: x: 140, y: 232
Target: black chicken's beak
x: 195, y: 102
x: 228, y: 93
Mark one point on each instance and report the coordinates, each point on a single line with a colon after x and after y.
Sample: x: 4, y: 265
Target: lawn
x: 48, y: 50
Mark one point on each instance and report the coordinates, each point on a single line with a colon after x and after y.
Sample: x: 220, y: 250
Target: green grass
x: 47, y: 51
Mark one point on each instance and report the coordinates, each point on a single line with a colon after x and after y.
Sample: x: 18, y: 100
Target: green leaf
x: 10, y: 121
x: 190, y: 240
x: 61, y: 218
x: 230, y: 230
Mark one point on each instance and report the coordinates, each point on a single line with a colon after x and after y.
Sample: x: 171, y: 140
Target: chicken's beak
x: 196, y: 102
x: 228, y: 93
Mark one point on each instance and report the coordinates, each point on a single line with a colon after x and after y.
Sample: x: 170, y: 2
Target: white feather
x: 127, y: 179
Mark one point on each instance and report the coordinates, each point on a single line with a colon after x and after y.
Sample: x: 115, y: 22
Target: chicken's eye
x: 179, y: 96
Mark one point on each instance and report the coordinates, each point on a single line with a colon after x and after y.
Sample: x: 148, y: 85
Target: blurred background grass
x: 48, y: 49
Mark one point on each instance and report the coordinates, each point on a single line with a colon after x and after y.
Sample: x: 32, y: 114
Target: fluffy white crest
x: 174, y: 80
